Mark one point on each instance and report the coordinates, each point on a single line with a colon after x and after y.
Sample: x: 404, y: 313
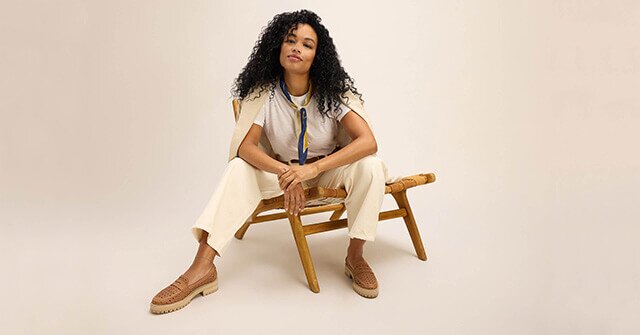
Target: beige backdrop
x: 115, y: 120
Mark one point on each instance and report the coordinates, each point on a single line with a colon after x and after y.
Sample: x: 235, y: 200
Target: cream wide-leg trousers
x: 243, y: 187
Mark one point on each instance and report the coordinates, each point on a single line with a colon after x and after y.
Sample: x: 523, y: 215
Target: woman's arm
x: 252, y: 154
x: 363, y: 144
x: 294, y: 198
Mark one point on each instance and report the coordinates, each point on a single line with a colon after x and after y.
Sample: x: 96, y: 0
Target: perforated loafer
x: 180, y: 292
x: 364, y: 281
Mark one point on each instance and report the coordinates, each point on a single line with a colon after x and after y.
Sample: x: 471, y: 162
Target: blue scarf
x: 303, y: 140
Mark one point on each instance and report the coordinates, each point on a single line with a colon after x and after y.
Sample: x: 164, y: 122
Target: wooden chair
x: 320, y: 199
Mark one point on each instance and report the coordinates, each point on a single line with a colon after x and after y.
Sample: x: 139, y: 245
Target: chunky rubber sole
x: 367, y: 293
x: 204, y: 290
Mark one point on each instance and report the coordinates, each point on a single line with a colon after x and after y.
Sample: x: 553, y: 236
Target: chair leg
x: 243, y: 229
x: 410, y: 222
x: 303, y: 250
x: 240, y: 233
x: 337, y: 214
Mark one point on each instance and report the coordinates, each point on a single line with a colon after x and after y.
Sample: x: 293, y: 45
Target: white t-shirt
x: 278, y: 119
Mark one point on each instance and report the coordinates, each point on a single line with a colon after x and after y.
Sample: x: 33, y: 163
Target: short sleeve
x: 260, y: 118
x: 342, y: 111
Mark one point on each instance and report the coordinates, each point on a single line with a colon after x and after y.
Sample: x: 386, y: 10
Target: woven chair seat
x: 320, y: 196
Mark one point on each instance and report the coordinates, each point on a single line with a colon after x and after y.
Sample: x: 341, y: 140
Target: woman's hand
x: 294, y: 199
x: 296, y: 175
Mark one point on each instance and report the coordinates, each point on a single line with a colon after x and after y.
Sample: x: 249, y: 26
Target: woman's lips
x: 294, y: 58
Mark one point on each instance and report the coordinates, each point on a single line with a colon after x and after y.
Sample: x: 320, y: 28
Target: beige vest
x: 249, y: 110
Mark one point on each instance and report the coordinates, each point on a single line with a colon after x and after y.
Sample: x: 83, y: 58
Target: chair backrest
x: 236, y: 109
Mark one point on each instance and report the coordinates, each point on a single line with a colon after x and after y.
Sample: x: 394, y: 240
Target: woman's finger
x: 304, y: 200
x: 283, y: 185
x: 298, y: 201
x: 301, y: 201
x: 287, y: 182
x: 284, y: 175
x: 292, y: 184
x: 292, y: 202
x: 286, y: 201
x: 283, y: 182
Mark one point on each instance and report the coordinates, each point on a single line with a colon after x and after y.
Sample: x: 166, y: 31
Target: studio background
x: 115, y: 122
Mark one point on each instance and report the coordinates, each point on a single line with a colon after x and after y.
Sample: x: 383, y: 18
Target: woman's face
x: 298, y: 49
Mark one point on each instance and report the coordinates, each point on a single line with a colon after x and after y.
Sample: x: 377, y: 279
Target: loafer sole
x: 365, y: 292
x: 204, y: 290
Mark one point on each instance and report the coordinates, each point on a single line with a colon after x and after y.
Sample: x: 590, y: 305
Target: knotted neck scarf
x: 301, y: 120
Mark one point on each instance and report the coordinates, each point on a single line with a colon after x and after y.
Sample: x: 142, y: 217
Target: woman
x: 298, y: 107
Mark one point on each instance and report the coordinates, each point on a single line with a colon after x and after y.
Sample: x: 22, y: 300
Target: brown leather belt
x: 309, y: 160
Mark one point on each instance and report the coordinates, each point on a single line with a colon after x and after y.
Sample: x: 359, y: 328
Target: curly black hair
x: 330, y: 81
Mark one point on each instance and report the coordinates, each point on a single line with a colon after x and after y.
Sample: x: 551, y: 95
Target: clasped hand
x: 291, y: 184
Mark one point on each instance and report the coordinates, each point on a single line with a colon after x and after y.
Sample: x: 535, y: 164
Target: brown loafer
x: 364, y: 281
x: 180, y: 292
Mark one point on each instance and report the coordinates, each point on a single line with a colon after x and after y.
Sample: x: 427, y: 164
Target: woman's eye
x: 308, y: 46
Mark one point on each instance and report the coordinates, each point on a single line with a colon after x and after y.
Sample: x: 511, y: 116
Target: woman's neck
x: 297, y: 84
